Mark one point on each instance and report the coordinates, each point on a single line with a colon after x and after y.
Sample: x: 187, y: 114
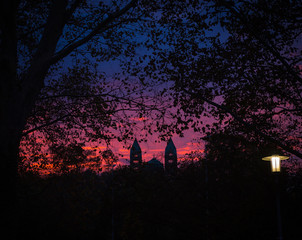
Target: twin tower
x: 170, y: 156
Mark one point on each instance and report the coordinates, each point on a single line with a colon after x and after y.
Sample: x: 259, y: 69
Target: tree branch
x: 267, y: 44
x: 46, y: 124
x: 33, y: 80
x: 101, y: 27
x: 247, y: 125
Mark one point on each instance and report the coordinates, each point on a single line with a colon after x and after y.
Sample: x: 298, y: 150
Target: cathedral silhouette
x: 170, y: 157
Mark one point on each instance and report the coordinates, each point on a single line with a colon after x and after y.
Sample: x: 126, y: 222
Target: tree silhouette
x: 250, y: 75
x: 240, y: 63
x: 151, y: 204
x: 36, y: 39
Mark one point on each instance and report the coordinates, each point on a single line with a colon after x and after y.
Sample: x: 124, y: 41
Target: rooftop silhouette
x: 170, y: 156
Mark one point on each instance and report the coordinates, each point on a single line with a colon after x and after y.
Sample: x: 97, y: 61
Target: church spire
x: 135, y: 154
x: 170, y: 157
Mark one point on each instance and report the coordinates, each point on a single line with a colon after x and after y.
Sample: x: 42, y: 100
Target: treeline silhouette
x: 148, y: 203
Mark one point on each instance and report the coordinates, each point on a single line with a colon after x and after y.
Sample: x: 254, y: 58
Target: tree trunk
x: 11, y: 118
x: 17, y: 96
x: 9, y: 142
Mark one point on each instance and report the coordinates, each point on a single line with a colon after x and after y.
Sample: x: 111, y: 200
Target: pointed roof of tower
x: 170, y: 147
x: 135, y: 146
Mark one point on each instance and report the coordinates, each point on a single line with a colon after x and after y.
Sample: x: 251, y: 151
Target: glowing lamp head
x: 275, y: 161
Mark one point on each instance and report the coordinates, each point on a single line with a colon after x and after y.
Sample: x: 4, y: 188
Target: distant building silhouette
x: 170, y: 157
x: 155, y: 164
x: 135, y: 155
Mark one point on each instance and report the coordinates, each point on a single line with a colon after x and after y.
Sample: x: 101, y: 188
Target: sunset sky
x: 84, y: 80
x: 111, y: 70
x: 152, y: 149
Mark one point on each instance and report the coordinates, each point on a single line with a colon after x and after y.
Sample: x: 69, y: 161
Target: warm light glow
x: 275, y: 164
x: 275, y: 161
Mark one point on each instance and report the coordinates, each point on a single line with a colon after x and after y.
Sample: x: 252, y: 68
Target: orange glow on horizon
x: 44, y: 164
x: 139, y: 119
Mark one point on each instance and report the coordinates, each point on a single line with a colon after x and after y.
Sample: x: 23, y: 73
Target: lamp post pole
x: 278, y: 208
x: 276, y: 168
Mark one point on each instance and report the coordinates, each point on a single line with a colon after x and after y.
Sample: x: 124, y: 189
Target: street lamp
x: 275, y: 161
x: 276, y: 168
